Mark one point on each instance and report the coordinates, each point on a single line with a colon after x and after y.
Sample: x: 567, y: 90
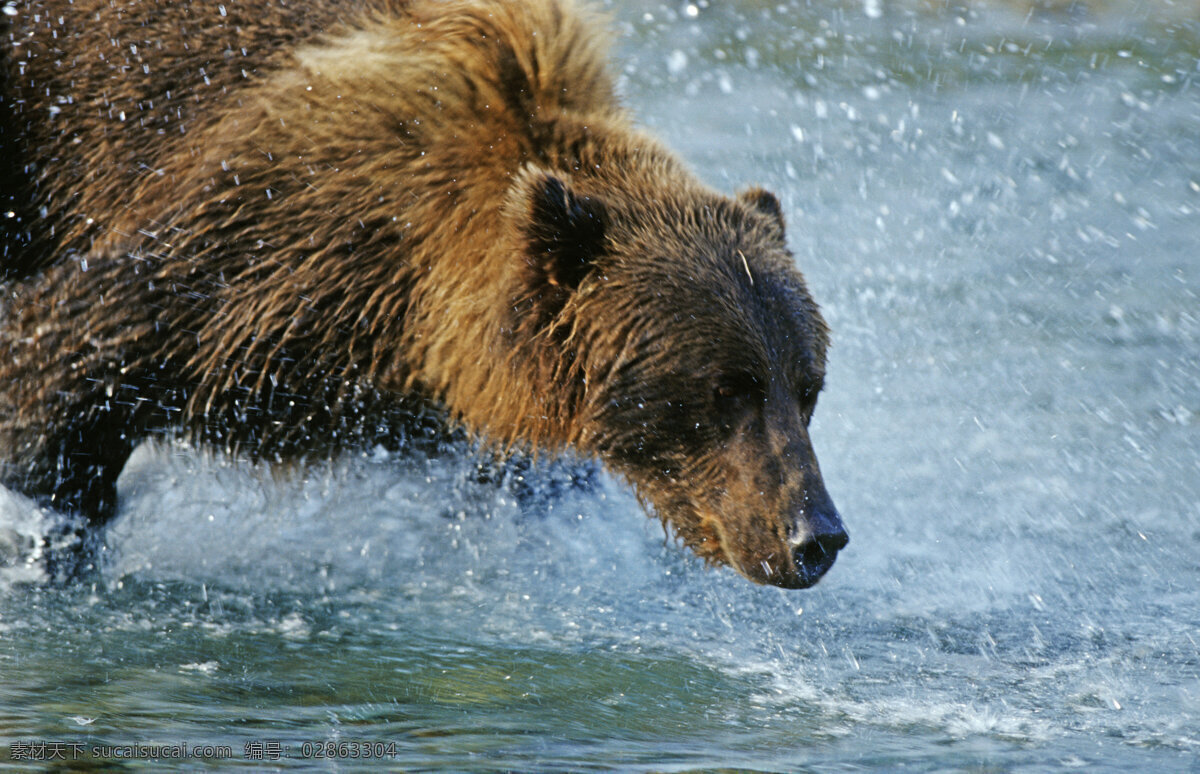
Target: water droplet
x: 677, y: 62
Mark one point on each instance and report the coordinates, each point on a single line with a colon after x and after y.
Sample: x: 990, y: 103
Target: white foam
x: 386, y: 521
x: 23, y: 527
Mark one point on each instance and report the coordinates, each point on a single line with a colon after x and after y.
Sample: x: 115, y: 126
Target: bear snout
x: 796, y: 562
x: 802, y: 512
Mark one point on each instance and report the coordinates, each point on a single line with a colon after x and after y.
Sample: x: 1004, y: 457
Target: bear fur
x: 289, y: 228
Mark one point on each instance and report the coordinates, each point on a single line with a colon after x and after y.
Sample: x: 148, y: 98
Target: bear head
x: 684, y: 349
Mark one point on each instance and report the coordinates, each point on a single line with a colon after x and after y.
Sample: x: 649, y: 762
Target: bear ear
x: 565, y: 234
x: 764, y: 202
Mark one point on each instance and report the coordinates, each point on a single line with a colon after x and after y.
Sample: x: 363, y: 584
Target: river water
x: 998, y: 209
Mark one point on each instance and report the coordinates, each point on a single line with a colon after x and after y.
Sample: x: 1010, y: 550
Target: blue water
x: 999, y: 210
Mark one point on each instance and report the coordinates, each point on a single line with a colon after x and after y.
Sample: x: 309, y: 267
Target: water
x: 998, y: 208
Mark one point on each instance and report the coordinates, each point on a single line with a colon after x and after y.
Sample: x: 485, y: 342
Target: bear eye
x: 734, y: 391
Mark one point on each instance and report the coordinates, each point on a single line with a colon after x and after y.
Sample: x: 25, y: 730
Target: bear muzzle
x: 804, y: 550
x: 780, y: 526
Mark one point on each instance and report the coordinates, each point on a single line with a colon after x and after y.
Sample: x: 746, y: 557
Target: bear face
x: 696, y: 356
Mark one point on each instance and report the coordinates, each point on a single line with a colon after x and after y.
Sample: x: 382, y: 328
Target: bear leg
x: 72, y: 470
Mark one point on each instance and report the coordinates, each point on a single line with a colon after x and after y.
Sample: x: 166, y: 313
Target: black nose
x: 818, y: 548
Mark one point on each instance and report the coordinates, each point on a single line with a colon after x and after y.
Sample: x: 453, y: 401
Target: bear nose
x: 815, y: 555
x: 816, y: 546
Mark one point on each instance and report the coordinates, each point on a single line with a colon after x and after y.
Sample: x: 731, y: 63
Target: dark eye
x: 734, y: 391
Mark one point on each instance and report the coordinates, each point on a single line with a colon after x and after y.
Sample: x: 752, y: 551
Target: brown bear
x: 289, y: 228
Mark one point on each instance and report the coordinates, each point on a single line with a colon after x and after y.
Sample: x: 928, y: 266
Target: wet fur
x: 293, y: 228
